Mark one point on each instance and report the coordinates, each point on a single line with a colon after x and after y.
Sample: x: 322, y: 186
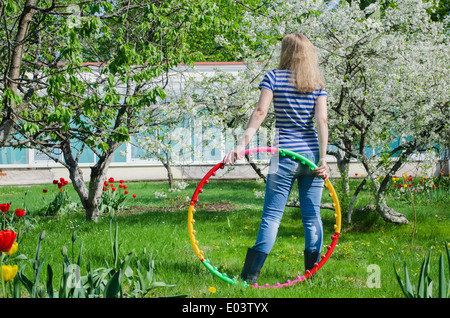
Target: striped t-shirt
x: 294, y: 113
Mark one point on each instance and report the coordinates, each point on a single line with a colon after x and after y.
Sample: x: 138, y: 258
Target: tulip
x: 4, y: 207
x: 9, y: 272
x: 19, y: 213
x: 13, y: 249
x: 7, y: 238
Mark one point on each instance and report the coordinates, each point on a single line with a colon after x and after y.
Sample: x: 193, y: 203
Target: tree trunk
x: 90, y: 198
x: 166, y: 163
x: 352, y: 201
x: 388, y: 214
x: 343, y: 166
x: 296, y: 204
x: 168, y: 167
x: 98, y: 176
x: 15, y: 65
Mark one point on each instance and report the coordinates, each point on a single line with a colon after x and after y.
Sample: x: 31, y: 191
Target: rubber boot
x: 310, y: 259
x: 254, y: 261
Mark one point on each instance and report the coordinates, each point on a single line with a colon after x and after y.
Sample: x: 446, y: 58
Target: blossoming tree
x: 386, y: 69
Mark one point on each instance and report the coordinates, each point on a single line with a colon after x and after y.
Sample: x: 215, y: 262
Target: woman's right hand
x: 322, y: 170
x: 233, y: 155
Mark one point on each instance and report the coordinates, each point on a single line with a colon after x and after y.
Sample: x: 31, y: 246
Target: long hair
x: 299, y: 55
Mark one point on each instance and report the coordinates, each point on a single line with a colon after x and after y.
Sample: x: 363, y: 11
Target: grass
x: 366, y: 248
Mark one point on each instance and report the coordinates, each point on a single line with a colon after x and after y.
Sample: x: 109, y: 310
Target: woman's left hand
x: 233, y: 155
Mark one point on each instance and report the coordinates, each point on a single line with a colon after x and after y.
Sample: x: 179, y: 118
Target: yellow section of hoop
x: 191, y: 230
x: 336, y: 205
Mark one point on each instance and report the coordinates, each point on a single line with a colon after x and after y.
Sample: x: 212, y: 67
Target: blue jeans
x: 280, y: 179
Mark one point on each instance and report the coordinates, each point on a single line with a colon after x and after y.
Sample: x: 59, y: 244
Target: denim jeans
x: 283, y: 172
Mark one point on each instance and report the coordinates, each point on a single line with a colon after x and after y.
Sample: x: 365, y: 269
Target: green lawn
x: 365, y: 248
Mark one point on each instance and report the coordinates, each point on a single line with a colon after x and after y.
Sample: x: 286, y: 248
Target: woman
x: 298, y: 93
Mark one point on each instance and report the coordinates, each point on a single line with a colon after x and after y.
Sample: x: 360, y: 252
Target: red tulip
x: 126, y: 192
x: 45, y: 190
x: 121, y: 181
x: 20, y: 213
x: 4, y: 207
x: 7, y: 238
x: 134, y: 195
x: 110, y: 180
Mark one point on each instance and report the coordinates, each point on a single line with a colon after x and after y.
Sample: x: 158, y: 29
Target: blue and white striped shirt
x: 294, y: 113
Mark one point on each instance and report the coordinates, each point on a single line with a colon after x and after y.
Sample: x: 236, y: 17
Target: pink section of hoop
x: 251, y: 151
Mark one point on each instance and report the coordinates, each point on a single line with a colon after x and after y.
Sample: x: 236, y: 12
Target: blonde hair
x: 299, y: 55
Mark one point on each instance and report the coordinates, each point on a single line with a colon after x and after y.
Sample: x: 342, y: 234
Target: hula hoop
x: 298, y: 279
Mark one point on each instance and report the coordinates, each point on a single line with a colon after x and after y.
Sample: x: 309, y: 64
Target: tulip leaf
x: 113, y: 286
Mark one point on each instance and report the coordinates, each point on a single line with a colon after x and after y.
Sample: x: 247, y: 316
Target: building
x: 29, y: 166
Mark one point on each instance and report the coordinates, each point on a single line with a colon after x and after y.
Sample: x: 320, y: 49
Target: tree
x: 77, y: 76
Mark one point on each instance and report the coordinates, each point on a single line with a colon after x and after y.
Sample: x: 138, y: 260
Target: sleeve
x: 321, y: 92
x: 268, y: 81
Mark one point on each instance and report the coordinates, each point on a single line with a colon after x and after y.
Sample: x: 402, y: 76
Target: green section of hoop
x: 220, y: 275
x: 298, y: 157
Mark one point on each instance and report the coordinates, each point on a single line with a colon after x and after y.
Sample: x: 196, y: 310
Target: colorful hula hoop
x: 298, y: 279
